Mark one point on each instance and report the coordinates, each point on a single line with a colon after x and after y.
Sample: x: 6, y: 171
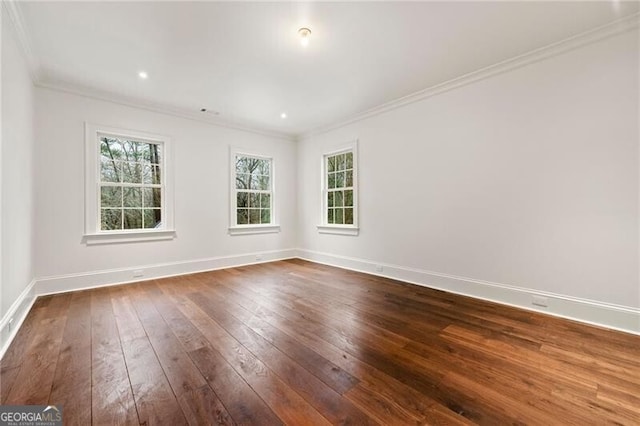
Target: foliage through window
x: 339, y: 188
x: 131, y: 185
x: 253, y: 189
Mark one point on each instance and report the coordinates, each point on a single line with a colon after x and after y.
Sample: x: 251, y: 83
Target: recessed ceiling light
x: 304, y: 34
x: 143, y: 75
x: 283, y: 115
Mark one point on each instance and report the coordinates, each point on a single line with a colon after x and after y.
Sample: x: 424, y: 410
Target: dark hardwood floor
x: 298, y: 343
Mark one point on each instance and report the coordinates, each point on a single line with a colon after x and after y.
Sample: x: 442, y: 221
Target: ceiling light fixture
x: 283, y: 115
x: 143, y: 75
x: 304, y: 34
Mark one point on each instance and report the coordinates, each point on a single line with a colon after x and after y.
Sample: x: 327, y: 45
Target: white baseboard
x: 621, y: 318
x: 13, y: 319
x: 616, y: 317
x: 94, y: 279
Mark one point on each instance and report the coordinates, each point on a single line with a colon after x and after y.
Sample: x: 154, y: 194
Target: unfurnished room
x: 313, y: 213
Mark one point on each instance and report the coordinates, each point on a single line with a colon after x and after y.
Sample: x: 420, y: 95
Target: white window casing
x: 339, y: 191
x: 164, y: 229
x: 252, y: 208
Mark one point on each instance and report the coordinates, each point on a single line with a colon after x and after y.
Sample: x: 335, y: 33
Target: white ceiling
x: 244, y: 60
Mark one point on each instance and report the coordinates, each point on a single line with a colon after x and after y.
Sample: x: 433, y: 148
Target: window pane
x: 255, y: 182
x: 253, y: 175
x: 332, y: 181
x: 263, y: 167
x: 156, y: 177
x: 110, y: 149
x: 126, y: 150
x: 243, y: 216
x: 254, y: 199
x: 132, y: 197
x: 331, y: 164
x: 263, y: 183
x: 241, y: 165
x: 153, y: 153
x: 242, y: 181
x: 348, y: 216
x: 152, y: 197
x: 252, y: 164
x: 265, y: 201
x: 111, y: 196
x: 242, y: 200
x: 265, y: 216
x: 254, y: 216
x: 132, y: 219
x: 147, y: 178
x: 338, y: 199
x: 349, y: 178
x: 340, y: 188
x: 145, y: 151
x: 133, y: 151
x: 248, y: 165
x: 110, y: 170
x: 110, y: 219
x: 132, y: 172
x: 126, y: 161
x: 348, y: 198
x: 151, y: 217
x: 151, y: 175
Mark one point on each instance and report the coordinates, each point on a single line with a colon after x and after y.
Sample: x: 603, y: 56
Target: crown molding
x: 157, y: 107
x: 15, y: 16
x: 591, y: 36
x: 611, y: 29
x: 39, y: 79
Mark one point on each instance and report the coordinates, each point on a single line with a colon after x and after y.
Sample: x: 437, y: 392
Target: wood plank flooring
x: 298, y: 343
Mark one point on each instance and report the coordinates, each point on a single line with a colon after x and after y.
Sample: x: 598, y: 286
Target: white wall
x: 201, y: 157
x: 16, y: 169
x: 528, y: 178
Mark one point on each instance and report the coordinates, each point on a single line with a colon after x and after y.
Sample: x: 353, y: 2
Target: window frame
x: 93, y: 234
x: 331, y: 228
x: 247, y: 229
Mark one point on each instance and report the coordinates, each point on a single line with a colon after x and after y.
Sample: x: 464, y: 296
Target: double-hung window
x: 127, y: 188
x: 339, y: 191
x: 252, y: 194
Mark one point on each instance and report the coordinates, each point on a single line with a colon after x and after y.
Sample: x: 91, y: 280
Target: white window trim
x: 234, y: 228
x: 327, y: 228
x: 93, y: 234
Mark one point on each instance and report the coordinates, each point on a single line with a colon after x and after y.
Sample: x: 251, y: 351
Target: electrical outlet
x: 379, y: 268
x: 258, y: 257
x: 541, y: 301
x: 138, y: 273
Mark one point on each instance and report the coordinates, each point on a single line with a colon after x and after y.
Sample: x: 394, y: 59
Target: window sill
x: 253, y: 229
x: 338, y: 229
x: 128, y: 237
